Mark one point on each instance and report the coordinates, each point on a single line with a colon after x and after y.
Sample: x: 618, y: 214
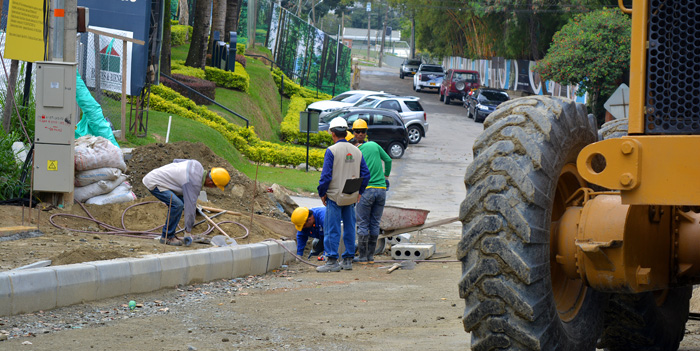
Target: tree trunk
x: 198, y: 45
x: 165, y: 49
x: 217, y: 23
x: 233, y: 11
x: 184, y: 18
x: 533, y: 33
x: 10, y: 97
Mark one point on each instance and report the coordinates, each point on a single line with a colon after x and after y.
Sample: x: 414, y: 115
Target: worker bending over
x: 309, y: 224
x: 178, y: 185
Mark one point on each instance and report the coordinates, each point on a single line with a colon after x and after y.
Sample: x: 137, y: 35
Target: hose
x: 124, y: 231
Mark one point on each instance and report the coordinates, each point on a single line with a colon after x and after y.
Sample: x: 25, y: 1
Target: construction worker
x: 371, y: 205
x: 342, y: 166
x: 178, y: 185
x: 309, y: 224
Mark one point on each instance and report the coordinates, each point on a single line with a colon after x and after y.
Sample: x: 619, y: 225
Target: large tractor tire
x: 517, y: 296
x: 646, y: 321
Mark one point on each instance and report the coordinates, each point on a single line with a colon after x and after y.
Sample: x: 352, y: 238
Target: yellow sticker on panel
x: 52, y: 165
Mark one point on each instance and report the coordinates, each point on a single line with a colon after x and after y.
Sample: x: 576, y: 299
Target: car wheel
x: 469, y: 113
x: 442, y: 97
x: 401, y: 75
x: 414, y: 134
x: 418, y: 88
x: 447, y: 99
x: 396, y: 150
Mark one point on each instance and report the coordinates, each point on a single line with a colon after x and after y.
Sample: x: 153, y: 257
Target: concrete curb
x: 31, y: 290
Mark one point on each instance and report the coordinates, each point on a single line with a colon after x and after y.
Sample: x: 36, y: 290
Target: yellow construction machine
x: 575, y: 238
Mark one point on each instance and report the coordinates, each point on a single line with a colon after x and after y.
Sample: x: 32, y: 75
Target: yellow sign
x: 52, y: 165
x: 25, y: 30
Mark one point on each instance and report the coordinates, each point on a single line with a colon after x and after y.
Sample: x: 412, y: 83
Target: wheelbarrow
x: 398, y: 220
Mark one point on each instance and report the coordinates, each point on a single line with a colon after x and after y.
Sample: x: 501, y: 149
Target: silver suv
x: 410, y: 110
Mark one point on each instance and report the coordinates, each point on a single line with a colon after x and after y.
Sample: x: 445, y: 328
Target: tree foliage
x: 592, y: 50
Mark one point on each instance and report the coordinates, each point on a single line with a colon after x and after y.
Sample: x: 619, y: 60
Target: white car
x: 428, y: 76
x: 345, y: 99
x: 408, y: 107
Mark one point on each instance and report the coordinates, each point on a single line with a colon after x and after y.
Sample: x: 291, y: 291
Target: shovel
x: 402, y: 265
x: 221, y: 241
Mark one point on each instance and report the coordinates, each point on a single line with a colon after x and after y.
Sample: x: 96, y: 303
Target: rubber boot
x: 371, y: 246
x: 346, y: 264
x: 330, y: 266
x: 362, y: 241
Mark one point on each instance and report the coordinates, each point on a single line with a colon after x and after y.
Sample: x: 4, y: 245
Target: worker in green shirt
x: 369, y: 210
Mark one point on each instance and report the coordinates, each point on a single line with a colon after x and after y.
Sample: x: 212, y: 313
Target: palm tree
x: 196, y: 56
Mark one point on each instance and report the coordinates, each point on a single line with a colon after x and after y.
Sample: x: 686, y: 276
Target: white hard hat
x: 338, y: 122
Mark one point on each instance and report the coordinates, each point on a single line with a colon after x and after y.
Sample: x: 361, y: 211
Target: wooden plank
x: 115, y: 36
x: 7, y: 231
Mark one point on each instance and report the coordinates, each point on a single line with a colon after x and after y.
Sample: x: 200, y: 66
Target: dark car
x: 409, y: 67
x: 457, y: 83
x: 481, y: 102
x: 385, y: 127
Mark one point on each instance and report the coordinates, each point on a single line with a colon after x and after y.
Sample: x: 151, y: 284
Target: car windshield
x: 342, y: 97
x: 327, y: 118
x: 470, y: 77
x: 432, y: 69
x: 494, y: 96
x: 366, y: 102
x: 412, y: 62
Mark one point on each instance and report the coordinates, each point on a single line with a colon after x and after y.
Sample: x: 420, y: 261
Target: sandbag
x: 98, y: 188
x: 120, y: 194
x: 94, y: 175
x: 93, y: 152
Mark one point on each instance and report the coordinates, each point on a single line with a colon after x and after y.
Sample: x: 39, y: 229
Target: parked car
x: 385, y: 127
x: 408, y: 107
x: 345, y: 99
x: 481, y: 102
x: 457, y: 83
x: 428, y: 76
x: 409, y: 67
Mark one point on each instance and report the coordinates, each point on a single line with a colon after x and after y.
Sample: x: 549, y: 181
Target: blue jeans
x: 174, y: 212
x: 331, y: 227
x: 369, y: 211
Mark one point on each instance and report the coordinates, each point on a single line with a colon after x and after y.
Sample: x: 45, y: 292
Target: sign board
x: 110, y: 59
x: 25, y: 31
x: 369, y: 7
x: 619, y: 103
x: 308, y: 122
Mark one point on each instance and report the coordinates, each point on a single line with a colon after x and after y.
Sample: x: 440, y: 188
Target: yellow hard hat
x: 359, y: 124
x: 299, y: 217
x: 349, y: 136
x: 220, y: 177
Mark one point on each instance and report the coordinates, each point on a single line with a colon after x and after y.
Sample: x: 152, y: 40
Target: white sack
x: 93, y: 152
x: 94, y: 175
x: 120, y: 194
x: 102, y: 187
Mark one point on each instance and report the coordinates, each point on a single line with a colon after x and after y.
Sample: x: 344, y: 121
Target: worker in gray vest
x: 342, y: 163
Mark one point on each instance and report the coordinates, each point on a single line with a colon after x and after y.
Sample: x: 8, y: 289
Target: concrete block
x: 173, y: 269
x: 258, y: 258
x: 5, y: 294
x: 220, y: 264
x: 197, y: 266
x: 399, y: 239
x: 145, y: 274
x: 275, y: 254
x: 113, y: 277
x: 412, y: 251
x: 33, y: 290
x: 76, y: 283
x: 291, y: 245
x: 241, y: 260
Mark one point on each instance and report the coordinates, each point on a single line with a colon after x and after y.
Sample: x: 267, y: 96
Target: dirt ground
x: 69, y: 236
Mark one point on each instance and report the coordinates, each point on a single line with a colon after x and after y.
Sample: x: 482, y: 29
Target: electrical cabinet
x: 55, y: 119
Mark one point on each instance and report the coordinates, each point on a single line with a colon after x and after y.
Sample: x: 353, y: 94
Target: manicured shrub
x: 241, y: 59
x: 291, y: 88
x: 240, y: 49
x: 179, y: 35
x: 202, y: 86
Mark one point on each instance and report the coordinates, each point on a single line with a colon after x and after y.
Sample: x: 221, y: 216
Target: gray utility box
x: 55, y: 119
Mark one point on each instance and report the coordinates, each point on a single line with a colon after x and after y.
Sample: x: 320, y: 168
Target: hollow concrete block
x: 173, y: 269
x: 145, y: 274
x: 220, y: 264
x: 197, y: 266
x: 33, y: 290
x: 241, y: 260
x: 258, y: 258
x: 76, y: 283
x: 412, y: 251
x: 5, y: 294
x: 113, y: 278
x: 399, y: 239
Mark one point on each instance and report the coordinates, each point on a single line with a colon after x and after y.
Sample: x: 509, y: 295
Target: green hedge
x: 179, y: 34
x: 291, y: 88
x: 239, y: 80
x: 245, y: 140
x: 240, y: 49
x: 290, y: 125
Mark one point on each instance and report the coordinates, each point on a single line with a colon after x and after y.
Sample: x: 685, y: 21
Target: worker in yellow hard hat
x: 309, y: 224
x: 360, y: 124
x: 178, y: 185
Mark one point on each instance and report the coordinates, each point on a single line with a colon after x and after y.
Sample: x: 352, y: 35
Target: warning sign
x: 52, y: 165
x: 25, y: 32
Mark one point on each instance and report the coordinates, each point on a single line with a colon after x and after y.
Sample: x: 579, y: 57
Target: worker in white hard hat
x: 343, y: 179
x: 309, y: 224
